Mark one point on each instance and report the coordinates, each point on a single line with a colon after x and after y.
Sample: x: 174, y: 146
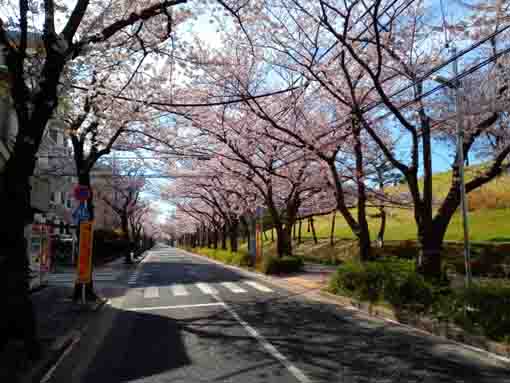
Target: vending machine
x: 39, y: 251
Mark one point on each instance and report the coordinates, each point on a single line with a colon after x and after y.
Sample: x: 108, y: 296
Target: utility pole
x: 460, y: 164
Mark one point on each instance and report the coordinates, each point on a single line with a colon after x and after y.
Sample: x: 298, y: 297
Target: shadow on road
x: 329, y: 345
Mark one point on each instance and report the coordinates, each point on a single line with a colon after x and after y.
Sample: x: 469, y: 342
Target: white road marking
x: 179, y: 290
x: 175, y: 307
x: 272, y: 350
x: 258, y: 286
x: 206, y: 289
x: 151, y: 292
x: 233, y: 287
x: 47, y: 377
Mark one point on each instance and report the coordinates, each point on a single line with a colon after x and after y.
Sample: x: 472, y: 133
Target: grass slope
x: 489, y: 214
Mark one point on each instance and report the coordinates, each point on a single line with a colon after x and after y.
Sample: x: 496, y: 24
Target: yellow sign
x: 85, y: 257
x: 258, y: 241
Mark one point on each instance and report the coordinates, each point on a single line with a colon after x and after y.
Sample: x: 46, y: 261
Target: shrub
x: 347, y: 278
x: 412, y: 293
x: 392, y: 280
x: 363, y: 281
x: 242, y: 259
x: 275, y: 265
x: 482, y: 308
x: 488, y: 309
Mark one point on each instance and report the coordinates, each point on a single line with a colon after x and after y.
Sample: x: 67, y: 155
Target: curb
x: 41, y: 371
x: 496, y: 351
x: 480, y: 344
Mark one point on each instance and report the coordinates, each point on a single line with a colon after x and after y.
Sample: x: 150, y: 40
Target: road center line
x: 272, y: 350
x: 174, y: 307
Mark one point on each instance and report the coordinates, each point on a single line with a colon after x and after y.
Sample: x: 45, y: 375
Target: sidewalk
x: 313, y: 276
x: 60, y: 322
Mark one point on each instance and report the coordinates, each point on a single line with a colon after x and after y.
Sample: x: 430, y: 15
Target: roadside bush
x: 347, y: 278
x: 412, y: 293
x: 364, y: 281
x: 483, y: 309
x: 241, y: 258
x: 488, y: 309
x: 391, y: 280
x: 275, y: 265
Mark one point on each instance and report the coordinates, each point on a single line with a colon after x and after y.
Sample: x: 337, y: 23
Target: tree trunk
x: 210, y: 238
x: 124, y: 223
x: 215, y: 239
x: 430, y: 249
x: 382, y: 227
x: 224, y: 237
x: 299, y: 231
x: 248, y: 238
x: 314, y: 234
x: 234, y: 233
x: 18, y: 317
x: 332, y: 237
x: 283, y: 240
x: 363, y: 231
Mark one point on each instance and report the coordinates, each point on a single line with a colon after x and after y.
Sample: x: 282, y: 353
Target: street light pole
x: 460, y: 164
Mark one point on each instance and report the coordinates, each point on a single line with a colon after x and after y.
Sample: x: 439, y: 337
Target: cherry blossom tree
x: 123, y: 197
x: 41, y: 40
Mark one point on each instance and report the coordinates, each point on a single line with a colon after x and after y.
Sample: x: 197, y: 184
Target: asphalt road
x: 185, y: 319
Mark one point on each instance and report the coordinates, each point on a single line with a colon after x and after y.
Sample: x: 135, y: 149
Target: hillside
x: 489, y: 214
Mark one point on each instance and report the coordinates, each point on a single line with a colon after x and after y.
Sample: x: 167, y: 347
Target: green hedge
x: 283, y: 265
x: 483, y: 309
x: 240, y: 258
x: 373, y: 281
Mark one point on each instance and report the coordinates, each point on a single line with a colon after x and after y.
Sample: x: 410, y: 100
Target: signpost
x: 84, y: 269
x: 82, y: 217
x: 82, y: 193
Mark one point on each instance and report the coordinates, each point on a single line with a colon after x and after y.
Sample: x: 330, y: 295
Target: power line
x: 374, y: 105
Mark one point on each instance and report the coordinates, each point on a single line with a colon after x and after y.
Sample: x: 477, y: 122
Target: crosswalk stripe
x: 179, y: 290
x: 151, y: 292
x: 258, y: 286
x: 233, y: 287
x: 206, y: 289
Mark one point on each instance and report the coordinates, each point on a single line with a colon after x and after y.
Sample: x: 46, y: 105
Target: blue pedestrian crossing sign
x: 81, y: 213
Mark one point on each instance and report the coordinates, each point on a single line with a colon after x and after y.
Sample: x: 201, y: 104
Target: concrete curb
x: 58, y: 347
x: 444, y: 330
x: 494, y: 350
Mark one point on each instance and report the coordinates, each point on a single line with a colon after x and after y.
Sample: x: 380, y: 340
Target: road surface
x: 185, y: 319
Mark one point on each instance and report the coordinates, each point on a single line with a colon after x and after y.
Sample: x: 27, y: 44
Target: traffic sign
x: 81, y: 213
x: 82, y: 192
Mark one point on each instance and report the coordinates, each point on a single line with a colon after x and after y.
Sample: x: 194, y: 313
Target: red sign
x: 81, y: 193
